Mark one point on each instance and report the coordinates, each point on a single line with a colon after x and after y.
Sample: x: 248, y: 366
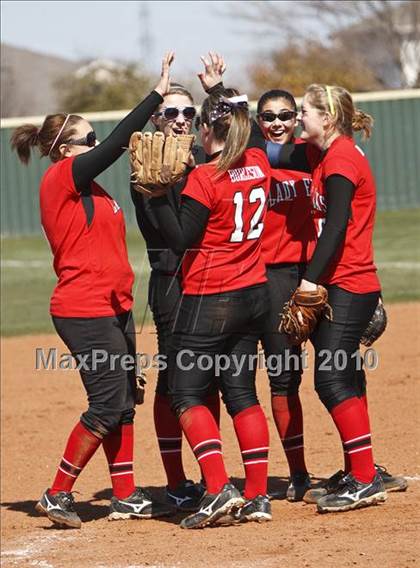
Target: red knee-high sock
x: 81, y: 446
x: 352, y: 421
x: 347, y: 464
x: 287, y: 414
x: 118, y: 447
x: 213, y: 404
x: 252, y: 433
x: 203, y: 435
x: 169, y: 435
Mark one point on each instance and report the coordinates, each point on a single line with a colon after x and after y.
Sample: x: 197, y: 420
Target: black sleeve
x: 218, y: 88
x: 88, y: 166
x: 257, y: 140
x: 142, y: 204
x: 280, y: 156
x: 182, y: 231
x: 288, y: 156
x: 339, y: 195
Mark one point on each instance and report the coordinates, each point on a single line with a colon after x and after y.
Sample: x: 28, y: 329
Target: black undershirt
x: 184, y: 230
x: 340, y: 192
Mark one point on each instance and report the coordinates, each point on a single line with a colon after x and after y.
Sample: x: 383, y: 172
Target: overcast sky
x: 133, y: 31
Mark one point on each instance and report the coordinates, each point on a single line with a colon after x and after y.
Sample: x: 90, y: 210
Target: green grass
x: 27, y: 277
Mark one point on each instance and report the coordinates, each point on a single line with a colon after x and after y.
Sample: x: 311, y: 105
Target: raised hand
x: 214, y: 67
x: 165, y: 83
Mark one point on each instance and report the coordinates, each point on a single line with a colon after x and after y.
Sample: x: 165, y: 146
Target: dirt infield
x: 40, y: 407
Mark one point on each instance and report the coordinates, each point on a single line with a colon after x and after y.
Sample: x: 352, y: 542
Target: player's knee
x: 360, y: 382
x: 102, y: 422
x: 333, y: 392
x: 127, y: 416
x: 285, y: 385
x: 235, y: 405
x: 180, y: 404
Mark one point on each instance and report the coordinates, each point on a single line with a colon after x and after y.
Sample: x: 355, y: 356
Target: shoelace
x: 68, y: 500
x: 142, y: 493
x: 348, y: 482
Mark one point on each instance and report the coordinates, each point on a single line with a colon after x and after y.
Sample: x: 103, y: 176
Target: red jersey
x: 353, y: 268
x: 289, y: 232
x: 91, y: 262
x: 228, y: 257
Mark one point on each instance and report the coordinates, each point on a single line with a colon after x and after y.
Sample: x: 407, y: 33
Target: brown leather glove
x: 302, y: 313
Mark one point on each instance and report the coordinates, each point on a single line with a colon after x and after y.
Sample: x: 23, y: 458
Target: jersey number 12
x: 256, y: 225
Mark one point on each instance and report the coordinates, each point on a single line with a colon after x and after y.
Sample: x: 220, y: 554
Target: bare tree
x: 384, y: 34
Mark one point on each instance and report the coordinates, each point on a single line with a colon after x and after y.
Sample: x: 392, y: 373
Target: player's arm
x: 88, y: 166
x: 340, y: 192
x: 281, y: 156
x: 184, y: 230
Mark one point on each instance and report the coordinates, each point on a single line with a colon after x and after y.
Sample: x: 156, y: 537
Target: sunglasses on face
x: 283, y: 115
x: 171, y: 113
x: 88, y: 140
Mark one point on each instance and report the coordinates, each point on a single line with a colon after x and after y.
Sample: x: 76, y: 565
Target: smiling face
x: 178, y: 125
x: 280, y: 131
x: 315, y: 123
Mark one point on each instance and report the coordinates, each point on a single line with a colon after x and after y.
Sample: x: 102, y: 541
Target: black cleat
x: 59, y: 508
x: 353, y: 494
x: 330, y: 485
x: 299, y: 484
x: 391, y: 483
x: 138, y: 505
x: 186, y: 497
x: 257, y: 509
x: 213, y: 507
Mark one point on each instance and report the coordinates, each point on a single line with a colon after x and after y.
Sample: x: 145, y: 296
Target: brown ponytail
x: 23, y: 139
x: 362, y: 121
x: 27, y: 136
x: 234, y: 129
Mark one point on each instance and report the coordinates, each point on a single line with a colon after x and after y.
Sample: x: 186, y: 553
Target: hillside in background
x: 27, y: 81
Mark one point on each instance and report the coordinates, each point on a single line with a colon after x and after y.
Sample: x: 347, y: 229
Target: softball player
x: 344, y: 198
x: 174, y: 116
x: 91, y: 304
x: 223, y: 306
x: 287, y: 244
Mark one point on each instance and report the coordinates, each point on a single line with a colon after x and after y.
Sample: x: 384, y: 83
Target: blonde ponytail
x: 362, y: 121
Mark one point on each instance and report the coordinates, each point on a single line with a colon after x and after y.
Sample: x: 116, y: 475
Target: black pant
x: 164, y: 295
x: 338, y: 372
x: 100, y: 343
x: 217, y: 335
x: 283, y: 360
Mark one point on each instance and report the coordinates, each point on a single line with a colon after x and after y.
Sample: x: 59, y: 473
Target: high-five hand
x: 165, y: 83
x: 214, y: 67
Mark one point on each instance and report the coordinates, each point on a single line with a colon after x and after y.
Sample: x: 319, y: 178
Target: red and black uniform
x: 222, y: 312
x: 344, y: 201
x: 91, y: 304
x: 91, y: 262
x: 288, y: 241
x: 165, y: 292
